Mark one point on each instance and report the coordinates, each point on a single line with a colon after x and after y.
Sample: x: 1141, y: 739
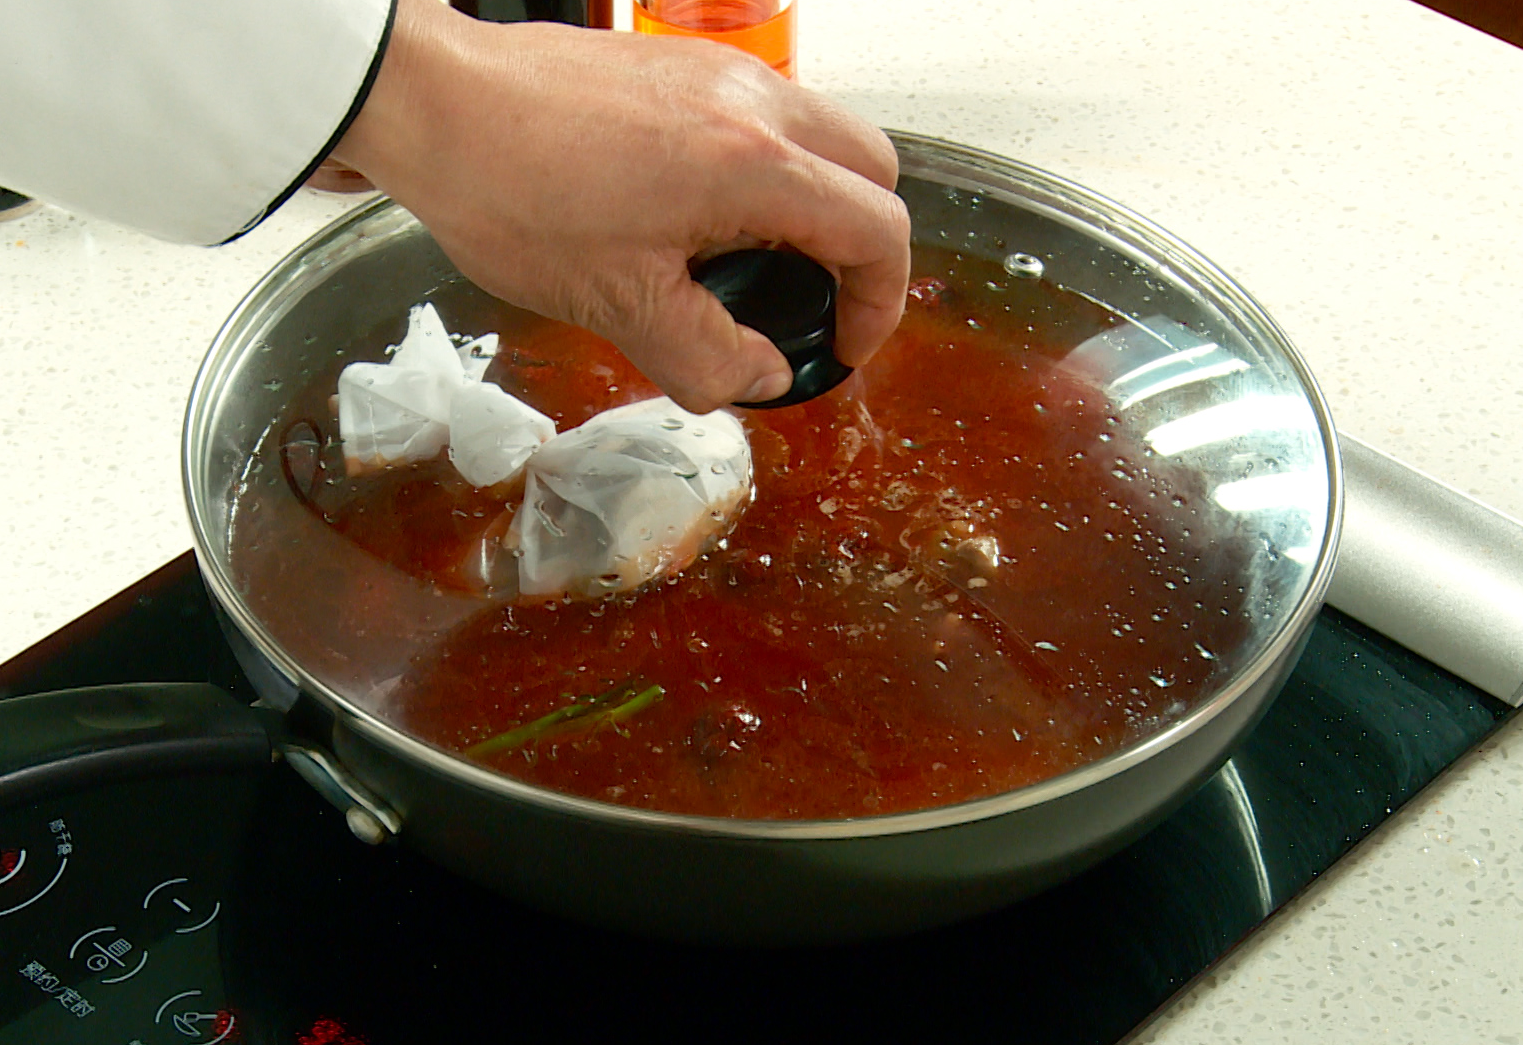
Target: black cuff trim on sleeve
x: 338, y: 135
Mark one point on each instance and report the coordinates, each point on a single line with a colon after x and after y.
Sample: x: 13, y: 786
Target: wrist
x: 390, y: 127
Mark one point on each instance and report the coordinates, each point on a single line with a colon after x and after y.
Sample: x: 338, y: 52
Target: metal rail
x: 1437, y: 571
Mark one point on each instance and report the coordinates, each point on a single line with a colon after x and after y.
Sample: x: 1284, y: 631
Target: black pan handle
x: 68, y: 740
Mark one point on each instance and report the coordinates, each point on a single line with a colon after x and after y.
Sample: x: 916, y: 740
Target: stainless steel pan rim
x: 913, y: 149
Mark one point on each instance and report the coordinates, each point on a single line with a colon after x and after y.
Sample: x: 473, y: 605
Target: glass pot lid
x: 1178, y: 488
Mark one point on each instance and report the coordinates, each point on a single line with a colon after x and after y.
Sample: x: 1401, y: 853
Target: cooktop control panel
x: 113, y: 906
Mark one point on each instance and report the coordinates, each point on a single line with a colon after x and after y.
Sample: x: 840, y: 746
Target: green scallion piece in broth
x: 594, y: 710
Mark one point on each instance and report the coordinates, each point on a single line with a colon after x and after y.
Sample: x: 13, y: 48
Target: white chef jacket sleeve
x: 188, y: 119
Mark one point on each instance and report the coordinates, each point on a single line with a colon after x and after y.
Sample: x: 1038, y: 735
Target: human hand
x: 575, y: 173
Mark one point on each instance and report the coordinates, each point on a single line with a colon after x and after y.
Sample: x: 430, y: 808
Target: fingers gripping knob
x: 789, y: 299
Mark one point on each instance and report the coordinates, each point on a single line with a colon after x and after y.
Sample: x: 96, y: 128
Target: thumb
x: 692, y: 349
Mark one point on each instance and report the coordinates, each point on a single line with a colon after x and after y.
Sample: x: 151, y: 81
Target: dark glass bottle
x: 597, y: 14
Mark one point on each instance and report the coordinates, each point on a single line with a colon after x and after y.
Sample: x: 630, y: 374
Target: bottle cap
x: 789, y: 299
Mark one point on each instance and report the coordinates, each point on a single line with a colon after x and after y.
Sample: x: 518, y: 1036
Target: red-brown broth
x: 961, y: 573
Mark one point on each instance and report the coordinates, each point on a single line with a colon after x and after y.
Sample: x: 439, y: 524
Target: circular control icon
x: 185, y: 1013
x: 187, y: 917
x: 30, y: 869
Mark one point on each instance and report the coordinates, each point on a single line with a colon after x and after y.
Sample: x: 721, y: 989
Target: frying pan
x: 1193, y: 362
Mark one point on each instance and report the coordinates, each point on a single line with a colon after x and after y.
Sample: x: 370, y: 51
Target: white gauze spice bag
x: 398, y: 412
x: 492, y: 434
x: 633, y: 495
x: 431, y: 395
x: 390, y: 416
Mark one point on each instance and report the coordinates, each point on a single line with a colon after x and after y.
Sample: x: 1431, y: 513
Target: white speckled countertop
x: 1356, y: 164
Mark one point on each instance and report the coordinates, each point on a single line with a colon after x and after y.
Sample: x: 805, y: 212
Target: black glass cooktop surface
x: 236, y: 906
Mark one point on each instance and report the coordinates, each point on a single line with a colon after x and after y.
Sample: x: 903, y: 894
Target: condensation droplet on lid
x: 1024, y: 266
x: 1045, y: 646
x: 672, y: 424
x: 1160, y: 681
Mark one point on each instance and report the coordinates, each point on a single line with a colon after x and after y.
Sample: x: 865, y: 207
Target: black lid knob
x: 791, y: 300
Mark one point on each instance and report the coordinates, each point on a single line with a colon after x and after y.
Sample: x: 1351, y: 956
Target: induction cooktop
x: 235, y: 905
